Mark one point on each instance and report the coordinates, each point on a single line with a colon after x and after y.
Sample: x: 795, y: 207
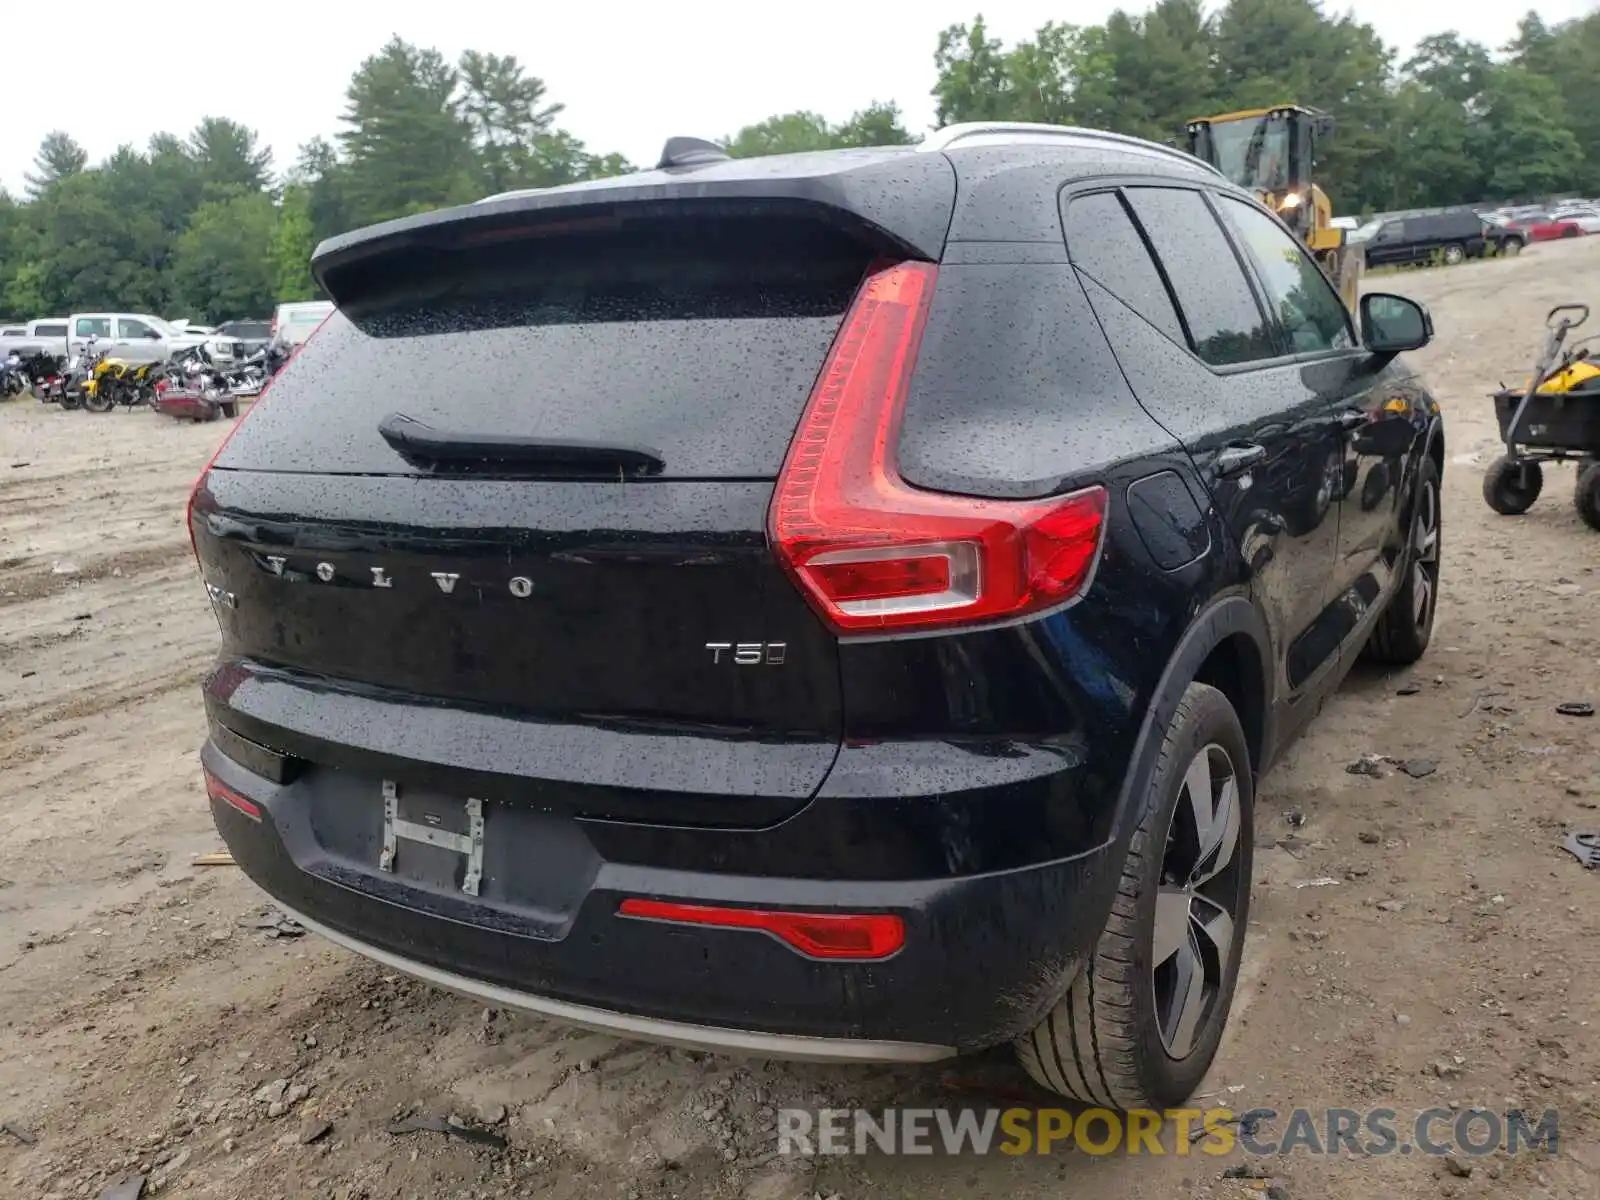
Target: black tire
x: 1105, y: 1043
x: 102, y: 400
x: 1511, y: 247
x: 1454, y: 253
x: 1511, y: 488
x: 1403, y: 632
x: 1587, y: 496
x: 1571, y: 231
x: 230, y: 409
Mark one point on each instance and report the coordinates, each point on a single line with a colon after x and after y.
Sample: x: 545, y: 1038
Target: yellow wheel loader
x: 1271, y: 151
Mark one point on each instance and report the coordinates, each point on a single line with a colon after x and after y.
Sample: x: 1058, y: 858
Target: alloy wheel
x: 1425, y: 554
x: 1197, y: 900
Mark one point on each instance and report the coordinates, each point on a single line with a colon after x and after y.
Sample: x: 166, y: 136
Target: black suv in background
x: 833, y: 606
x: 1454, y: 235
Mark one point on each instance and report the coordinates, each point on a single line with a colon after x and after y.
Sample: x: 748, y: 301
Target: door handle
x: 1351, y: 419
x: 1238, y: 458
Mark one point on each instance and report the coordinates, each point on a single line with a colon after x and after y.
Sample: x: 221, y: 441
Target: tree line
x: 207, y: 226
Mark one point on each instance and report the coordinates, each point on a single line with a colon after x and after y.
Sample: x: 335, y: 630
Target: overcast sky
x: 630, y: 73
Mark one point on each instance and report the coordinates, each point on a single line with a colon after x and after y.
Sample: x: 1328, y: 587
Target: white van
x: 293, y: 323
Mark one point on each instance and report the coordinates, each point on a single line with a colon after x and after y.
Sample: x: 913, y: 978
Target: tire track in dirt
x: 17, y: 587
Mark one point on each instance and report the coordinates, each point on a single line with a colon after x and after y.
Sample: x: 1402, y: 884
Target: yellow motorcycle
x: 115, y: 382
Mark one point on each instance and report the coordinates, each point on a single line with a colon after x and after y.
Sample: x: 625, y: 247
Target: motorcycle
x: 117, y: 382
x: 77, y: 385
x: 12, y: 380
x: 191, y: 388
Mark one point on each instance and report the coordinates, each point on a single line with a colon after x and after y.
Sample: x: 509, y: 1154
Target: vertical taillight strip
x: 872, y: 553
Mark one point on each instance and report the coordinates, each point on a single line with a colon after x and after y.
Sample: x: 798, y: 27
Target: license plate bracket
x: 430, y: 821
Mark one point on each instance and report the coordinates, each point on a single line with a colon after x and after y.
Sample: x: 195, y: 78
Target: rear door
x: 139, y: 341
x: 1207, y: 361
x: 604, y: 625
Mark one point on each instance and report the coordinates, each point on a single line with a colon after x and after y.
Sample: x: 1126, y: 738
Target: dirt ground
x: 147, y: 1024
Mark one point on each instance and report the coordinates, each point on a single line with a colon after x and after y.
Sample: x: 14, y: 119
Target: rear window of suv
x: 699, y: 339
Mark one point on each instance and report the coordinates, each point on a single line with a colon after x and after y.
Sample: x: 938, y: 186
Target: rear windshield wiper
x: 425, y: 444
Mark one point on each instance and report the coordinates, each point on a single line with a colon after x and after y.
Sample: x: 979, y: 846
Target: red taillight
x: 873, y: 553
x: 816, y: 935
x: 218, y: 790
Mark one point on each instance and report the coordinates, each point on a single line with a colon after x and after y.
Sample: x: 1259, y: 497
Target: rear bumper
x: 985, y: 955
x: 719, y: 1039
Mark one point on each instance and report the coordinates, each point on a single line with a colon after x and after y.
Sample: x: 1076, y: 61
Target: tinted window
x: 49, y: 331
x: 99, y: 327
x: 1106, y: 246
x: 1213, y: 292
x: 246, y: 329
x: 13, y: 332
x: 698, y: 339
x: 1311, y: 312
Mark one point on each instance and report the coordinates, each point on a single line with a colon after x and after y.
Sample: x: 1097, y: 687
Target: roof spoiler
x: 898, y: 206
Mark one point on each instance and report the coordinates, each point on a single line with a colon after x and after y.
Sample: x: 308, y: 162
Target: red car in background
x: 1545, y: 228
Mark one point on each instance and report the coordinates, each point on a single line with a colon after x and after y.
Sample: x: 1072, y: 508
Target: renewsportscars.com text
x: 1176, y: 1131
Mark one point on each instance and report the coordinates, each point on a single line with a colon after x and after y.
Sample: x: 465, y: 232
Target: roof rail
x: 1001, y: 133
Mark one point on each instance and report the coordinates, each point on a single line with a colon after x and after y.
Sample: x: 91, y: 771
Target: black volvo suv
x: 833, y: 606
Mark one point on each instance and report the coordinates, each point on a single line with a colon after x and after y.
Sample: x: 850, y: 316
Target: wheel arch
x: 1226, y: 647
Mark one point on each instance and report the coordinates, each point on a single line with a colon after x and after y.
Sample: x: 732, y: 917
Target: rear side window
x: 13, y: 332
x: 1224, y: 319
x: 696, y: 338
x: 49, y: 331
x: 1309, y: 310
x: 98, y: 327
x: 1107, y: 247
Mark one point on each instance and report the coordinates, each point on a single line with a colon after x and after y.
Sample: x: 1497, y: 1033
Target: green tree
x: 1565, y: 56
x: 789, y: 133
x: 59, y: 156
x: 90, y: 253
x: 319, y: 171
x: 507, y: 112
x: 227, y: 157
x: 878, y: 124
x: 222, y: 265
x: 408, y: 147
x: 293, y: 241
x: 1524, y: 137
x: 974, y: 81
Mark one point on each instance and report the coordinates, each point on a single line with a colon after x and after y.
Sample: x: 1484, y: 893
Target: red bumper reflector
x: 816, y: 935
x: 218, y: 790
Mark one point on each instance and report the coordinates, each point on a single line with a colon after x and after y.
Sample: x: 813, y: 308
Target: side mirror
x: 153, y: 336
x: 1393, y: 325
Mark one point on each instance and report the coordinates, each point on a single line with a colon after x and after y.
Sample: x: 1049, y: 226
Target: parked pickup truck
x: 132, y: 337
x: 23, y: 338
